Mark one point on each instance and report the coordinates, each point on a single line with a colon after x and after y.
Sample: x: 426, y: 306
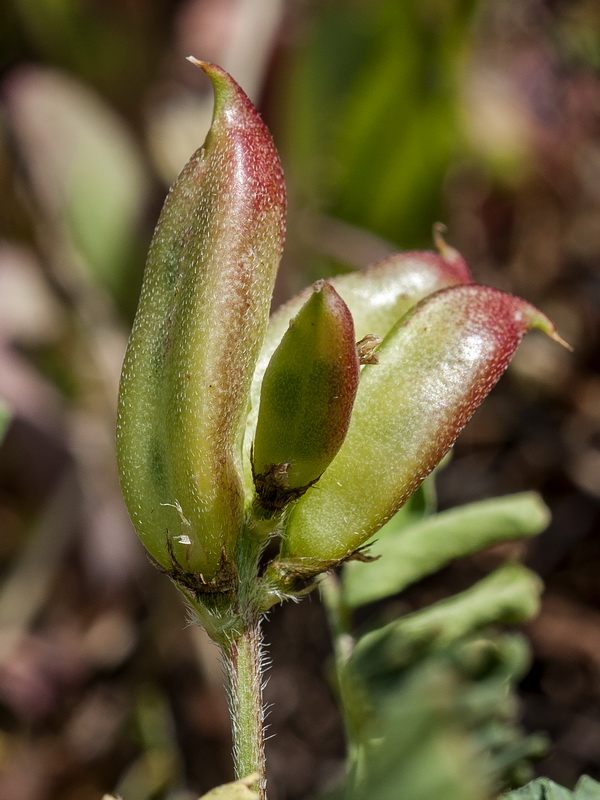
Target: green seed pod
x: 200, y: 322
x: 377, y: 296
x: 435, y: 368
x: 306, y: 400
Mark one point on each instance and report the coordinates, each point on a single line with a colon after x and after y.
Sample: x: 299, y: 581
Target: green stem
x: 340, y: 623
x: 234, y: 622
x: 243, y: 662
x: 338, y: 617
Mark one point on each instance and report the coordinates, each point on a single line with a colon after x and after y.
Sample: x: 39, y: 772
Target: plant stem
x: 243, y: 661
x: 339, y: 618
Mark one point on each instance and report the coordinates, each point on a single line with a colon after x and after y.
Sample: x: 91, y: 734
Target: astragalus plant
x: 256, y: 455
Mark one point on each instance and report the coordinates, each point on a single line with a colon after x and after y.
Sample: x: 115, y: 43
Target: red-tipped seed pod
x: 201, y: 319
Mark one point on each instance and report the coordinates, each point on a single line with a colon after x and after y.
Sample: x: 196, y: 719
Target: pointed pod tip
x: 447, y: 252
x: 324, y: 293
x: 554, y: 335
x: 217, y: 74
x: 545, y: 324
x: 196, y: 61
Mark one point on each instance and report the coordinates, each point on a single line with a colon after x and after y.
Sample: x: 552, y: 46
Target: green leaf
x: 443, y: 727
x: 540, y: 789
x: 508, y: 596
x: 415, y: 746
x: 85, y: 168
x: 376, y: 120
x: 587, y: 789
x: 545, y: 789
x: 413, y: 552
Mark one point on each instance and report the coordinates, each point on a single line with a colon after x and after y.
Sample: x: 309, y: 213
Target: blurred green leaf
x: 587, y: 789
x: 541, y: 789
x: 443, y: 727
x: 510, y: 595
x: 85, y: 169
x: 408, y: 554
x: 377, y: 117
x: 421, y: 752
x: 545, y: 789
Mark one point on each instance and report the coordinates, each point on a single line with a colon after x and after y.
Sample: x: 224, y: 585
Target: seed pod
x: 307, y: 395
x: 200, y: 322
x: 377, y: 297
x: 435, y: 368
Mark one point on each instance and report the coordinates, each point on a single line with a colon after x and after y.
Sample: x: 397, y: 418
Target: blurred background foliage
x: 389, y: 116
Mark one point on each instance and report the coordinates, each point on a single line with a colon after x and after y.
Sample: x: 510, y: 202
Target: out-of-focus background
x: 389, y: 116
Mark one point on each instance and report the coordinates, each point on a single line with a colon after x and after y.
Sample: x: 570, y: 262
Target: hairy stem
x: 243, y: 662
